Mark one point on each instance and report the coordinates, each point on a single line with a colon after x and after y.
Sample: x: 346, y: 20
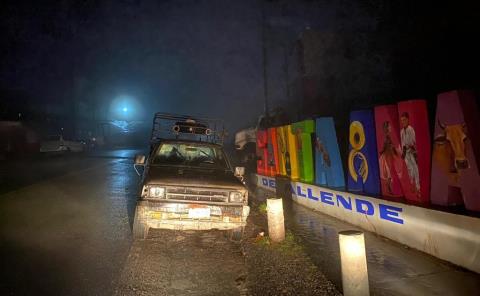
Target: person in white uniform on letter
x: 409, y: 150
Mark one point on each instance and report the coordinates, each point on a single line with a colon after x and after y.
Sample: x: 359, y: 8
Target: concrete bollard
x: 354, y: 263
x: 276, y: 225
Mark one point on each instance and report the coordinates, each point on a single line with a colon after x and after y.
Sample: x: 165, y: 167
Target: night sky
x: 205, y: 57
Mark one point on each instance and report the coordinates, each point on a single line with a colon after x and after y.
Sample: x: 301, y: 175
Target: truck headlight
x: 158, y: 192
x: 236, y: 196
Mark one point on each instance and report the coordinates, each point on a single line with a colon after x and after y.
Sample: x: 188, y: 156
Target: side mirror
x: 239, y: 171
x: 139, y: 159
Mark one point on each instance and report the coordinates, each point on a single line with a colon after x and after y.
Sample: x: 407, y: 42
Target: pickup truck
x: 188, y: 182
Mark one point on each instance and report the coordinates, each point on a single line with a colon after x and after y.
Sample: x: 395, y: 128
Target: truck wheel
x: 140, y: 229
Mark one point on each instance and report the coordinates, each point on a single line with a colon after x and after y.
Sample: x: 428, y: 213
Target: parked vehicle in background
x: 57, y: 144
x: 245, y: 148
x: 246, y: 139
x: 188, y: 182
x: 97, y: 142
x: 245, y: 136
x: 246, y: 143
x: 93, y: 143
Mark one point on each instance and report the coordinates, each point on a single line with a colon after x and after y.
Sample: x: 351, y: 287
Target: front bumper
x: 177, y: 215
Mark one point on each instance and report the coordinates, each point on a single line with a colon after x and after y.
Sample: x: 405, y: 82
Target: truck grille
x: 196, y: 194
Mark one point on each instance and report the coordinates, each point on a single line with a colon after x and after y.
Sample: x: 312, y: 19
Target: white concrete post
x: 276, y: 226
x: 354, y: 263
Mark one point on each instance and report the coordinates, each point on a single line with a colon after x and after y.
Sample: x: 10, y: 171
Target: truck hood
x: 183, y: 176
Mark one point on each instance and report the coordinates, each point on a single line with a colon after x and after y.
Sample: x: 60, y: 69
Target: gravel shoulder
x: 184, y: 263
x: 207, y: 263
x: 280, y: 269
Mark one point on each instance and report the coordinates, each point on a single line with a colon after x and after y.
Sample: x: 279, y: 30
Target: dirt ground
x: 183, y: 263
x: 208, y: 263
x: 280, y: 269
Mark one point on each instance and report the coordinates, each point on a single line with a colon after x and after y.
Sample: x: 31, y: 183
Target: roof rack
x: 174, y: 126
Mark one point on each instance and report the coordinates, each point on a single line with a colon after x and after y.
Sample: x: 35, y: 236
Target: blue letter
x: 346, y: 204
x: 389, y: 213
x: 310, y: 194
x: 360, y: 202
x: 299, y: 192
x: 271, y: 183
x: 264, y: 181
x: 327, y: 198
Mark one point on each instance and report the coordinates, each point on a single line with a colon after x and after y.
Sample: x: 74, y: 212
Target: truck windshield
x: 187, y: 154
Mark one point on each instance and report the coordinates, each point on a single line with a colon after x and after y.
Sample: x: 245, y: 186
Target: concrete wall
x: 451, y: 237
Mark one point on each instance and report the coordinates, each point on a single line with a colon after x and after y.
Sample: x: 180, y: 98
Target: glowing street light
x: 354, y: 263
x: 125, y: 108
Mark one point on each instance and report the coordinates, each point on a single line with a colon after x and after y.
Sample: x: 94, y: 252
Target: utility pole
x: 289, y: 49
x: 264, y: 55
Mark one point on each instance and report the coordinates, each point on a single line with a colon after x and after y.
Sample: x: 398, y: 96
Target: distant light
x: 124, y: 108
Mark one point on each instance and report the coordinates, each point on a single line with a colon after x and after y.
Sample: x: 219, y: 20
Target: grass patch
x: 262, y: 208
x: 263, y: 241
x: 289, y: 246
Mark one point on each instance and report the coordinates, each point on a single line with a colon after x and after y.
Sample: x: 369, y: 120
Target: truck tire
x: 140, y: 228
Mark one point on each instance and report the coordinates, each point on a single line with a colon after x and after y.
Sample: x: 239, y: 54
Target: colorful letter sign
x: 328, y: 163
x: 303, y: 131
x: 363, y: 174
x: 292, y: 151
x: 394, y: 177
x: 262, y: 154
x: 282, y: 144
x: 272, y: 151
x: 416, y: 147
x: 456, y: 151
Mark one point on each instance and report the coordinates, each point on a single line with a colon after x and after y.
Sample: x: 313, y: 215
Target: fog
x: 77, y: 60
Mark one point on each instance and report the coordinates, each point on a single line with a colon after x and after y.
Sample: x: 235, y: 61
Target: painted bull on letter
x: 449, y: 150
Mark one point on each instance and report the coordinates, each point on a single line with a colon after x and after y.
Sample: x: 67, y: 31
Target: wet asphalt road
x: 65, y: 229
x: 65, y: 223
